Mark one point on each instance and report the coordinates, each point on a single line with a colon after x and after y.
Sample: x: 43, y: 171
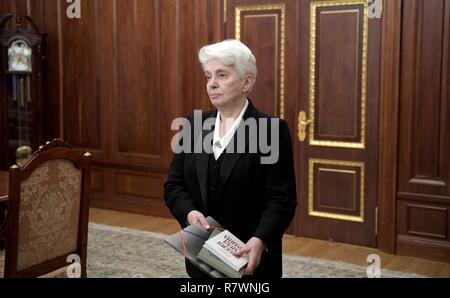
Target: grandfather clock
x: 22, y: 90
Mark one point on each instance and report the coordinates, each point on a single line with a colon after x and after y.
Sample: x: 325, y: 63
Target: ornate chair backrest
x: 48, y: 211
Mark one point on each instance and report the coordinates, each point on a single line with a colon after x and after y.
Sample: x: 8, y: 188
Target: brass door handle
x: 303, y: 123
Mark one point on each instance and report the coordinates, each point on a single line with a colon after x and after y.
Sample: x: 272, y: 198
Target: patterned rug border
x: 287, y: 257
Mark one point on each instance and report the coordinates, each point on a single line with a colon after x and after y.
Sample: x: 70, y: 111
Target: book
x: 224, y: 245
x: 209, y: 258
x: 194, y: 237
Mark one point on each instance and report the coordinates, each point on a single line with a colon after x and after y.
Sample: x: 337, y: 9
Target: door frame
x: 388, y: 120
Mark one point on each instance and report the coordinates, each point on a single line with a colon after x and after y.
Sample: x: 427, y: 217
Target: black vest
x: 213, y: 181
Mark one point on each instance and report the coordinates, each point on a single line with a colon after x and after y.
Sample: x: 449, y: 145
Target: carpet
x: 121, y: 252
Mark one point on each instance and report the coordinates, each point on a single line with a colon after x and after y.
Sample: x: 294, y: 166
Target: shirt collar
x: 226, y: 139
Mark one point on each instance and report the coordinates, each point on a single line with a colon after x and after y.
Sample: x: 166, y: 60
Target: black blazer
x: 254, y: 199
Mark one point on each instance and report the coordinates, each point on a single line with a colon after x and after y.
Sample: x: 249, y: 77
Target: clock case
x: 21, y: 115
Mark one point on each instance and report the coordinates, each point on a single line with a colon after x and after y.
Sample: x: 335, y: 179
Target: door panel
x: 337, y: 82
x: 336, y: 190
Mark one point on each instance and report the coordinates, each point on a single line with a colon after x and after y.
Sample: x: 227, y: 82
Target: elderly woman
x: 255, y: 201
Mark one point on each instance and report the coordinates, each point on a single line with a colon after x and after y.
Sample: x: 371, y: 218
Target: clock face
x: 19, y: 56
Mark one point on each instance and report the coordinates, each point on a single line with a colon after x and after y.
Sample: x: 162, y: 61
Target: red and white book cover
x: 223, y: 246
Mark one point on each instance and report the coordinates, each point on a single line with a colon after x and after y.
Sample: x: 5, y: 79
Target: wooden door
x: 321, y: 58
x: 338, y: 150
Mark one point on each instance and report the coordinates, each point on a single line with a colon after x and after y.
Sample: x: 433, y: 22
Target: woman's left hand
x: 254, y: 249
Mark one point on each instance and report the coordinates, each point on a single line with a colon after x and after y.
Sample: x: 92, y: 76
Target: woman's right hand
x: 195, y: 217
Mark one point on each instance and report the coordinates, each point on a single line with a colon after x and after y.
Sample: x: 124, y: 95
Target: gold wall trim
x: 343, y: 217
x: 280, y: 47
x: 312, y: 79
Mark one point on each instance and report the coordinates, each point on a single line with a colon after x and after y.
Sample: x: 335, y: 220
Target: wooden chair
x: 48, y: 211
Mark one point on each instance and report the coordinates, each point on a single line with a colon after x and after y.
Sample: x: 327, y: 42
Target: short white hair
x: 233, y: 53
